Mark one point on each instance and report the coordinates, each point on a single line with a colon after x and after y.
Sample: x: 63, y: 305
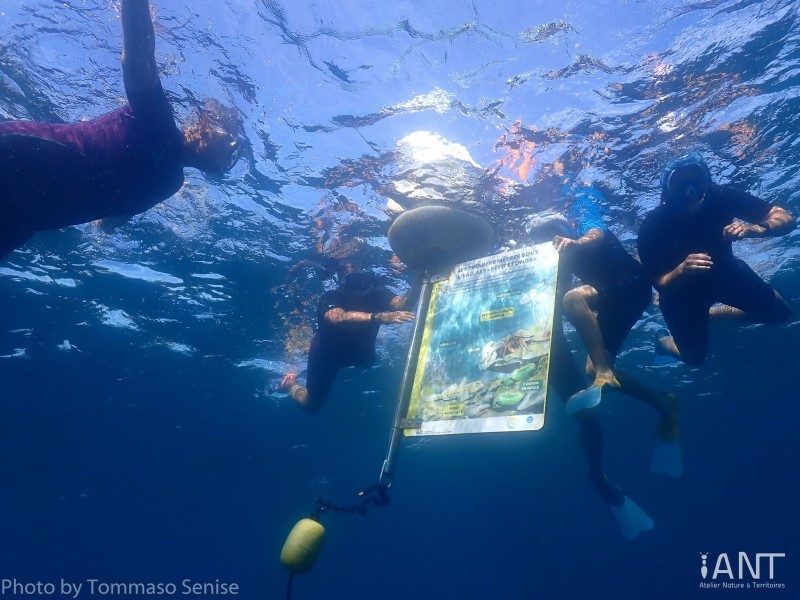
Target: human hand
x: 565, y: 244
x: 739, y: 230
x: 394, y: 317
x: 696, y: 263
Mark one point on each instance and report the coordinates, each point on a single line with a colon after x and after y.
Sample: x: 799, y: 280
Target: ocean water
x: 139, y: 439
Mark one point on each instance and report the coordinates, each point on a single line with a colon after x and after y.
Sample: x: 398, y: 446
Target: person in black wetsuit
x: 348, y: 319
x: 685, y: 245
x: 53, y: 175
x: 610, y: 299
x: 613, y: 291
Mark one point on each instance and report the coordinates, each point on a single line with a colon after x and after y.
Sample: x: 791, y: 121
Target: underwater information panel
x: 483, y: 361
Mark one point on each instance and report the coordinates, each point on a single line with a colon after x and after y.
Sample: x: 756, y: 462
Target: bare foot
x: 606, y: 378
x: 289, y: 380
x: 299, y: 394
x: 666, y: 345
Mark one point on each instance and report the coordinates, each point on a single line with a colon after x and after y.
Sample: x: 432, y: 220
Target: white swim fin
x: 588, y: 398
x: 632, y: 520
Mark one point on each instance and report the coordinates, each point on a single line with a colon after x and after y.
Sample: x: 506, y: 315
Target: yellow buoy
x: 302, y: 546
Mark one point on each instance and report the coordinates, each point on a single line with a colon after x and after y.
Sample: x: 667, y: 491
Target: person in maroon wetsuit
x: 53, y: 175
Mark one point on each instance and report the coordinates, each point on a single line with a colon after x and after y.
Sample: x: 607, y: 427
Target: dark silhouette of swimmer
x: 567, y: 379
x: 53, y: 175
x: 612, y: 295
x: 348, y: 319
x: 685, y: 248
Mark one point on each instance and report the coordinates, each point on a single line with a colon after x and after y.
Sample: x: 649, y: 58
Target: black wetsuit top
x: 352, y: 343
x: 623, y: 291
x: 345, y: 344
x: 665, y: 239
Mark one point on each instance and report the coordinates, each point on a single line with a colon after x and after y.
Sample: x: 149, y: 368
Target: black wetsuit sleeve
x: 743, y: 205
x: 327, y: 301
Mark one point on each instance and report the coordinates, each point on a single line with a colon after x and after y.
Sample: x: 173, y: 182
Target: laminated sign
x: 483, y: 361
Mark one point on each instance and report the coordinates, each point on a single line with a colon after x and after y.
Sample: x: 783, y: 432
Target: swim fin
x: 632, y: 520
x: 667, y: 456
x: 588, y: 398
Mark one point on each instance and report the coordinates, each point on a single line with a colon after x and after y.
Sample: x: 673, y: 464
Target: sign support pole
x: 403, y: 396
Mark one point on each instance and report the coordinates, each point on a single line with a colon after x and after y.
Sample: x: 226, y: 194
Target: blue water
x: 138, y: 437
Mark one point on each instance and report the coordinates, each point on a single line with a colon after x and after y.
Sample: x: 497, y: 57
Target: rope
x: 289, y: 587
x: 376, y: 495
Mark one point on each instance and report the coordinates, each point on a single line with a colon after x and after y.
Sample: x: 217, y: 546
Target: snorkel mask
x: 685, y: 184
x: 235, y: 146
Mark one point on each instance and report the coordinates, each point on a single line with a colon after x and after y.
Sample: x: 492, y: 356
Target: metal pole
x: 404, y: 394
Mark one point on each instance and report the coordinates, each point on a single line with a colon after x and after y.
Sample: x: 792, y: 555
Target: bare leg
x: 299, y: 394
x: 577, y: 308
x: 638, y: 390
x: 567, y: 379
x: 776, y: 312
x: 667, y: 346
x: 723, y: 311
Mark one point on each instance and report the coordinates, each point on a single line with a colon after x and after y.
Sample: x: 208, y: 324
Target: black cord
x: 376, y: 495
x: 289, y: 587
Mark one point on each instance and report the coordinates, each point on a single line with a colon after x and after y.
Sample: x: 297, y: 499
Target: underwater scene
x: 444, y: 300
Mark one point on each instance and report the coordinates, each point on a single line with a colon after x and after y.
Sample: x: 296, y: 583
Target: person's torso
x: 357, y: 339
x: 125, y: 163
x: 605, y: 265
x: 701, y: 233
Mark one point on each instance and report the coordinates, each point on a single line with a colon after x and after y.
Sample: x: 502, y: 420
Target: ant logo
x: 704, y: 568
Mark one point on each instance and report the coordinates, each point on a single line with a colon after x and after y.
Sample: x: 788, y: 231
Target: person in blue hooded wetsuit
x: 685, y: 245
x: 53, y: 175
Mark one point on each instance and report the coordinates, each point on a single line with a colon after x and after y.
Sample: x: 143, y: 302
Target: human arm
x: 692, y: 264
x: 591, y: 239
x: 139, y: 72
x: 339, y: 316
x: 777, y: 222
x: 662, y: 267
x: 753, y: 217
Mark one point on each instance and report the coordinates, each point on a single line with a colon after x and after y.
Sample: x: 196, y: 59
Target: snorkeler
x: 610, y: 300
x: 612, y: 296
x: 567, y: 379
x: 348, y: 319
x: 119, y: 164
x: 685, y: 248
